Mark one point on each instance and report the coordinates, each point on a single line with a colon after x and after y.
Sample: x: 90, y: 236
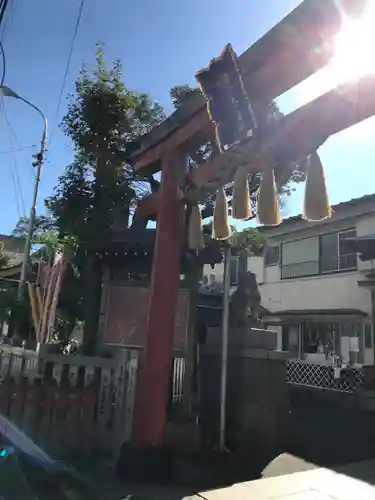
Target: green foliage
x: 43, y: 224
x: 103, y: 117
x: 249, y: 242
x: 17, y: 312
x: 4, y: 258
x: 8, y: 300
x: 180, y: 94
x: 45, y: 234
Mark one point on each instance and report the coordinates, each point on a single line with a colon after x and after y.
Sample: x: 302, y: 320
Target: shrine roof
x: 140, y: 242
x: 131, y: 239
x: 282, y: 46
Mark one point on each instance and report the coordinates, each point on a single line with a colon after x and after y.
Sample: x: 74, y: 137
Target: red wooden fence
x: 60, y: 420
x: 69, y: 405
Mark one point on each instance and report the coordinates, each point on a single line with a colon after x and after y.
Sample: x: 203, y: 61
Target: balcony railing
x: 318, y: 267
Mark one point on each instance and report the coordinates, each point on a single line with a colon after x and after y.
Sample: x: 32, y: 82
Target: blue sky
x: 161, y: 44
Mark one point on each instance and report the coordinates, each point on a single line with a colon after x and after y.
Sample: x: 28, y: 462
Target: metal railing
x: 319, y: 267
x: 178, y: 380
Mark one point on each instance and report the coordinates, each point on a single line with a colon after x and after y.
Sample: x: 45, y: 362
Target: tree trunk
x: 93, y: 287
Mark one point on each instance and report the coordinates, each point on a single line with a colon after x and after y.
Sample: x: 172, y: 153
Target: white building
x: 317, y: 289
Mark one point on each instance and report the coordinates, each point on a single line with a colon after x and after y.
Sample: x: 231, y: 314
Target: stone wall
x: 257, y: 400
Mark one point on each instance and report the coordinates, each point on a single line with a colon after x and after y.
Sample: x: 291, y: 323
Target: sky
x: 161, y: 44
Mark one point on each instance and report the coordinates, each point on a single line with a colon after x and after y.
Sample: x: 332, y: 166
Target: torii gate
x: 296, y: 48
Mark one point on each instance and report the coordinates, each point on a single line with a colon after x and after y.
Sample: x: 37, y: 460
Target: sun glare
x: 353, y: 56
x: 354, y: 48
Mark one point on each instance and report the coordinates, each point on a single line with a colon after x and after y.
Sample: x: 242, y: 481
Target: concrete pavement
x: 354, y: 481
x: 351, y: 482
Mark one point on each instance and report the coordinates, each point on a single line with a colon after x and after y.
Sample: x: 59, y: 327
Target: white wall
x: 330, y: 291
x: 334, y: 291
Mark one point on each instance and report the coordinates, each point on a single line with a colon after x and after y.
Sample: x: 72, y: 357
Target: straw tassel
x: 220, y: 227
x: 268, y: 209
x: 195, y: 233
x: 39, y: 300
x: 241, y: 205
x: 316, y: 205
x: 34, y: 305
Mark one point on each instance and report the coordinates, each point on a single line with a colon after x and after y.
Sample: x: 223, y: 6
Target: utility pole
x: 38, y: 164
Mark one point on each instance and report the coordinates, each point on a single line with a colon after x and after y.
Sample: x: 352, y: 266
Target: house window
x: 238, y: 268
x: 335, y: 253
x: 320, y: 338
x: 368, y: 336
x: 318, y: 255
x: 326, y: 338
x: 272, y: 256
x: 300, y: 258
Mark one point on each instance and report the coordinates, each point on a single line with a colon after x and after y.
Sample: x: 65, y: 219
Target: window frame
x: 338, y: 269
x: 282, y: 254
x: 278, y: 261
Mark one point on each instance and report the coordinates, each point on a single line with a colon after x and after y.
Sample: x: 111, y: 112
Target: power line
x: 4, y: 64
x: 20, y: 202
x: 3, y: 9
x: 5, y: 6
x: 11, y: 151
x: 78, y: 20
x: 8, y: 20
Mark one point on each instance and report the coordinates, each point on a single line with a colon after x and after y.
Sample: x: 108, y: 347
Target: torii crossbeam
x: 294, y: 49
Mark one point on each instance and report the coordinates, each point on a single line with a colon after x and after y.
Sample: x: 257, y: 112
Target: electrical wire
x: 4, y: 64
x: 10, y: 151
x: 9, y: 19
x: 67, y: 67
x: 3, y: 8
x: 20, y: 202
x: 16, y: 139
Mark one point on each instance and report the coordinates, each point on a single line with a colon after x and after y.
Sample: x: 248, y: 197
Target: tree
x: 97, y: 190
x: 45, y: 233
x: 4, y: 258
x: 180, y: 94
x: 248, y: 242
x: 43, y: 224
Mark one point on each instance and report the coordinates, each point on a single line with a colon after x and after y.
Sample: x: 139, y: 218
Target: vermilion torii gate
x: 293, y: 50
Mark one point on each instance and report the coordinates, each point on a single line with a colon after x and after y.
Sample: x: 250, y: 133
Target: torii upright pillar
x: 154, y: 376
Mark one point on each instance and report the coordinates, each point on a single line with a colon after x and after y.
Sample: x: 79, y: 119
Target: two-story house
x: 319, y: 293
